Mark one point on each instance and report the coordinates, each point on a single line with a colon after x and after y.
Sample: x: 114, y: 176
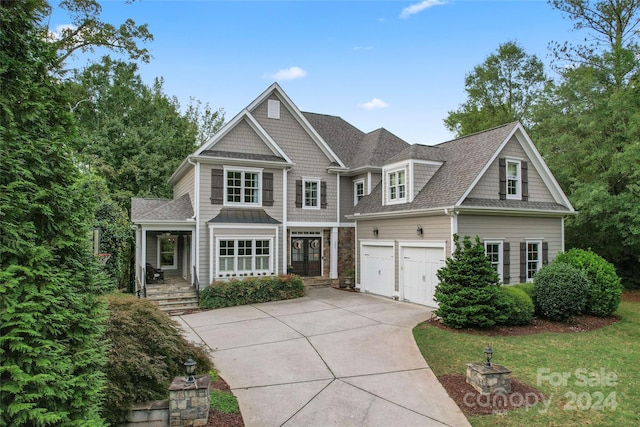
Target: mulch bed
x: 220, y: 419
x: 471, y: 402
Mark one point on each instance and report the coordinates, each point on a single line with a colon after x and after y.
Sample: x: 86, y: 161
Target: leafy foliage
x: 51, y: 314
x: 500, y: 90
x: 605, y: 289
x: 561, y: 291
x: 224, y: 402
x: 587, y: 128
x: 147, y: 351
x: 521, y: 309
x: 469, y: 291
x: 251, y: 291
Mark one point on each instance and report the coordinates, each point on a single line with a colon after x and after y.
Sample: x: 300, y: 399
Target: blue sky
x: 393, y: 64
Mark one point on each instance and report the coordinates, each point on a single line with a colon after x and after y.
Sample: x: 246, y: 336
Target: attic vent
x: 273, y: 109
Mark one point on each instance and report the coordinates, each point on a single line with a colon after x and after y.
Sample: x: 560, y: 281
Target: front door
x: 305, y: 255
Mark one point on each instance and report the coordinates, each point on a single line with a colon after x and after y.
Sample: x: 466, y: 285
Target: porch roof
x: 243, y: 216
x: 143, y: 210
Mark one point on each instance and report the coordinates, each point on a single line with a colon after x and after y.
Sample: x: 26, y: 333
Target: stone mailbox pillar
x: 489, y: 379
x: 189, y: 402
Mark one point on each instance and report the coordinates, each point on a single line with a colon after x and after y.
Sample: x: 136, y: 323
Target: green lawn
x: 541, y: 361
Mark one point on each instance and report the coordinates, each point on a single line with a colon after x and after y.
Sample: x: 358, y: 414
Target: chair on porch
x: 154, y: 275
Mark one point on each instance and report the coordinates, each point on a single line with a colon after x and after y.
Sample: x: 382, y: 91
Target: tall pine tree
x: 51, y: 314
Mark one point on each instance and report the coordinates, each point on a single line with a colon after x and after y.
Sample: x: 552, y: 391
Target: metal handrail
x: 196, y: 284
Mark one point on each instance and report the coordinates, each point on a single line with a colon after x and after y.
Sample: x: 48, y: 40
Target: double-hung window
x: 493, y: 249
x: 534, y: 258
x: 358, y: 191
x: 514, y: 178
x: 242, y: 187
x: 311, y: 193
x: 396, y: 186
x: 244, y: 256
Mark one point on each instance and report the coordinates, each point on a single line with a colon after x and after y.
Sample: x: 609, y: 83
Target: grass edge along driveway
x: 589, y: 378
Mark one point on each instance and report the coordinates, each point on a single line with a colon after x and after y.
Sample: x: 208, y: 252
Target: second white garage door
x: 419, y: 268
x: 377, y: 273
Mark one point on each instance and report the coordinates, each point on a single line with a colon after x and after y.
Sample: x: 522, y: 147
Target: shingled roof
x: 143, y: 209
x: 354, y: 147
x: 464, y: 159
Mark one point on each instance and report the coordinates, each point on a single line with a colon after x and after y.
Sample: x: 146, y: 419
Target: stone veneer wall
x: 189, y: 402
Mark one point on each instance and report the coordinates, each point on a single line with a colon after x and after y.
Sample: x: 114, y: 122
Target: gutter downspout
x: 195, y: 254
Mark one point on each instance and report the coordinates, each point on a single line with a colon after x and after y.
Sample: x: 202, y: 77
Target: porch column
x: 138, y: 256
x: 333, y: 274
x: 143, y: 253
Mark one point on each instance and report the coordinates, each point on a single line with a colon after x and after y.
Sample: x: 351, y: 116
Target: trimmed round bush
x: 605, y: 287
x: 520, y: 306
x: 561, y: 291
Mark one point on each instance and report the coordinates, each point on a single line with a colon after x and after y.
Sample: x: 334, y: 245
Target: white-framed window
x: 514, y: 179
x: 273, y: 109
x: 311, y: 193
x: 168, y: 252
x: 358, y: 191
x: 244, y: 256
x: 242, y: 187
x: 396, y: 186
x: 534, y: 258
x: 493, y: 249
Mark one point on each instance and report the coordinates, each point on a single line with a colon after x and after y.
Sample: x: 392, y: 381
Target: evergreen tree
x: 469, y: 290
x: 51, y: 314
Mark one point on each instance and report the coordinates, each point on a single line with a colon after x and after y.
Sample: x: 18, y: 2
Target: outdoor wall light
x: 190, y: 368
x: 375, y: 231
x: 488, y: 353
x: 419, y: 230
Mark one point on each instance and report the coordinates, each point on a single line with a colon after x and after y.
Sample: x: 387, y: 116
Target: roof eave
x: 247, y: 162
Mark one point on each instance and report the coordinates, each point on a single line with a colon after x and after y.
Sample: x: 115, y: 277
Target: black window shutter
x: 267, y: 189
x: 525, y: 181
x: 545, y: 253
x: 502, y: 169
x: 506, y: 262
x: 523, y: 262
x: 298, y: 193
x: 217, y: 186
x: 323, y: 195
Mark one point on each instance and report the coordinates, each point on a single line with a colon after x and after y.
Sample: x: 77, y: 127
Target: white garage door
x: 419, y: 267
x: 377, y: 269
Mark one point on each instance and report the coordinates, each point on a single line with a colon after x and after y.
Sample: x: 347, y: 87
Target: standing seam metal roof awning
x: 243, y: 216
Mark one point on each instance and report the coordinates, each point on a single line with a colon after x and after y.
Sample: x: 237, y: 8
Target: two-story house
x: 277, y: 188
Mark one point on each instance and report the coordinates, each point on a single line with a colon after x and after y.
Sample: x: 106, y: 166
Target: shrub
x: 468, y: 293
x: 223, y: 401
x: 605, y: 288
x: 147, y: 351
x: 560, y: 291
x: 251, y: 291
x: 521, y: 309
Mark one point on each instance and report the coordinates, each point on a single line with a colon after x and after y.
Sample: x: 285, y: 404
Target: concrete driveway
x: 329, y: 358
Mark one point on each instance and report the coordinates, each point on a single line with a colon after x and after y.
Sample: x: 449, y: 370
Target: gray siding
x: 209, y: 211
x: 422, y: 173
x: 310, y: 162
x: 513, y: 230
x: 185, y: 185
x: 488, y: 186
x: 347, y: 196
x: 243, y: 139
x: 435, y: 228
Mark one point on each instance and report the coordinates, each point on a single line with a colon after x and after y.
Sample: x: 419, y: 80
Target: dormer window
x: 396, y: 186
x: 358, y: 191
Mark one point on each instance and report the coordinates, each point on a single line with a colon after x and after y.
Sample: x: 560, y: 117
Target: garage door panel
x: 377, y: 270
x: 419, y: 279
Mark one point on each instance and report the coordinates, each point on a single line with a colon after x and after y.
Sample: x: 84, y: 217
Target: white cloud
x: 57, y: 33
x: 419, y: 7
x: 289, y: 74
x: 373, y: 104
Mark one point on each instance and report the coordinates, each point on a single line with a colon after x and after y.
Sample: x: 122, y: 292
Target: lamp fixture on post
x: 419, y: 230
x: 488, y: 353
x: 375, y: 231
x: 190, y: 368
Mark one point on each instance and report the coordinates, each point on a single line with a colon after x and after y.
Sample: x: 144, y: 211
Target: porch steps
x: 316, y: 282
x: 173, y: 298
